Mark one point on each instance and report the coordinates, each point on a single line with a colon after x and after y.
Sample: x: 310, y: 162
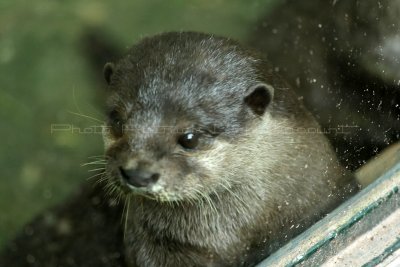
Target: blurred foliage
x: 45, y: 78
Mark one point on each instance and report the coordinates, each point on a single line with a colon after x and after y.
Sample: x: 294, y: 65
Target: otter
x: 217, y: 159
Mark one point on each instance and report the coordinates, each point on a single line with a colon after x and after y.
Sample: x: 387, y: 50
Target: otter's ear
x: 259, y: 97
x: 108, y: 71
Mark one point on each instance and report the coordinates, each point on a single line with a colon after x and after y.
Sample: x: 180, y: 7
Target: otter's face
x: 178, y: 102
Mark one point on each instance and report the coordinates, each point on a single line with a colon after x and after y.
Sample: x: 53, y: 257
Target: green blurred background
x: 45, y: 77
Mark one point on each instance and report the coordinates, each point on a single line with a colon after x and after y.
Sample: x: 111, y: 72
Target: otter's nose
x: 138, y: 178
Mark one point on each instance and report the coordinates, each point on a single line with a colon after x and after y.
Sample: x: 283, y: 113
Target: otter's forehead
x: 196, y: 65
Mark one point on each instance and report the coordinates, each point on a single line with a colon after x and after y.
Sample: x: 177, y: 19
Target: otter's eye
x: 116, y: 124
x: 189, y: 140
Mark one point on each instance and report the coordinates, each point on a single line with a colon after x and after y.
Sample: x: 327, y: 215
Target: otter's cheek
x: 108, y: 141
x: 211, y: 160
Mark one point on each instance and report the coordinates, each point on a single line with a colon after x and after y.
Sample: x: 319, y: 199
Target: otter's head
x: 179, y: 103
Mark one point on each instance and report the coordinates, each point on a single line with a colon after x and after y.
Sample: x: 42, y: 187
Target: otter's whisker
x: 102, y: 179
x: 233, y: 194
x: 96, y: 175
x: 87, y: 117
x: 98, y: 157
x: 98, y: 162
x: 126, y: 208
x: 97, y: 169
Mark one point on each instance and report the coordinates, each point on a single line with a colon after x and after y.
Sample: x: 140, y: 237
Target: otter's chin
x: 163, y: 197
